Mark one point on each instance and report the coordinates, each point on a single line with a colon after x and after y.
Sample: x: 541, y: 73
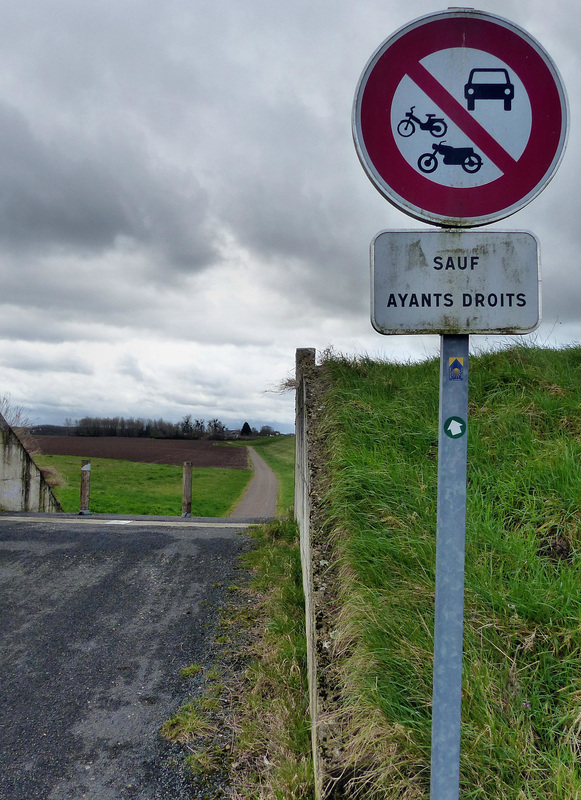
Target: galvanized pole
x: 450, y: 548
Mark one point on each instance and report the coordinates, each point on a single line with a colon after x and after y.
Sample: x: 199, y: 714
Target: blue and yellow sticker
x: 456, y: 369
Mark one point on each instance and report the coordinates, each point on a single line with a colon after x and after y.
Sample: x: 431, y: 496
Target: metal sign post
x: 459, y: 120
x: 451, y: 528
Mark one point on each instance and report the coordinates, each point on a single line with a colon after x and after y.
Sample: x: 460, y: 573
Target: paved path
x: 97, y: 617
x: 259, y: 500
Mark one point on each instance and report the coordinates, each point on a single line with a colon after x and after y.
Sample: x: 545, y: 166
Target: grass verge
x: 377, y: 434
x: 129, y: 487
x: 246, y: 728
x: 273, y: 727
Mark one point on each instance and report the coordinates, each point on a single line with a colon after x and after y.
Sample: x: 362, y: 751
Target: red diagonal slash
x: 478, y: 135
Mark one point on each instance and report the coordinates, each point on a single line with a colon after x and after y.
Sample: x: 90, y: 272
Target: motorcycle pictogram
x: 435, y: 125
x: 461, y: 156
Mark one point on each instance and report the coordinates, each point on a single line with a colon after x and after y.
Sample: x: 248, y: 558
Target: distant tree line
x: 187, y: 428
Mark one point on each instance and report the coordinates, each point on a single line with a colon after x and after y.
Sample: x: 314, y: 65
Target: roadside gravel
x: 97, y: 618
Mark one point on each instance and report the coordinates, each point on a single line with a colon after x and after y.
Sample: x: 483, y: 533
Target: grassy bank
x: 377, y: 434
x: 129, y: 487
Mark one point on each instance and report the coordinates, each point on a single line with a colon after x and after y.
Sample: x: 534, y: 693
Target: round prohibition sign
x: 460, y: 118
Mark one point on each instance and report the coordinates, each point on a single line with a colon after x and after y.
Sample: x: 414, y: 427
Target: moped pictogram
x: 435, y: 125
x: 461, y: 156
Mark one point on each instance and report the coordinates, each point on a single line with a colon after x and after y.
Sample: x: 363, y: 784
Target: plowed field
x: 153, y: 451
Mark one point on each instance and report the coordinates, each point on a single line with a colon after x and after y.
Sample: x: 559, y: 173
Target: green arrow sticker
x: 455, y: 427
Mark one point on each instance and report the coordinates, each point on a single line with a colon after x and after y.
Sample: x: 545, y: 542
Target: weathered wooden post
x: 85, y: 486
x: 187, y: 490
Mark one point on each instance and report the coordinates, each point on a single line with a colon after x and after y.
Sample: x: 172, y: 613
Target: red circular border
x: 381, y: 151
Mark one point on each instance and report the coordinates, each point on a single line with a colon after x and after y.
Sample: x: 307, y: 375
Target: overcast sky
x: 181, y: 204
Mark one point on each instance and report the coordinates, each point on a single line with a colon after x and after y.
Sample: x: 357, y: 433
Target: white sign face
x: 453, y: 151
x: 450, y: 282
x: 460, y: 118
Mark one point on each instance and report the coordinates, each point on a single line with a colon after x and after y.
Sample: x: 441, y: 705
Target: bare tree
x: 216, y: 429
x: 16, y: 417
x: 199, y: 428
x: 186, y: 426
x: 13, y: 414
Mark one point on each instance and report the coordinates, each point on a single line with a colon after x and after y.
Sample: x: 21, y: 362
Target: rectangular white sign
x: 455, y: 281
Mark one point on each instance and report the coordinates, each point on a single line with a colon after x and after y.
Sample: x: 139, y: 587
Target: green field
x: 129, y: 487
x: 378, y: 430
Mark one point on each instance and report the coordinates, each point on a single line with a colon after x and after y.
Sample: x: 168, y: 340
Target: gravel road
x: 259, y: 500
x: 97, y: 617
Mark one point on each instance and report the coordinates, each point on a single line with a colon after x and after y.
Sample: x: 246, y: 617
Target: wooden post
x: 187, y: 490
x: 85, y: 486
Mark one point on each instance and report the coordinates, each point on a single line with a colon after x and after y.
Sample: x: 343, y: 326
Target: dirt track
x: 259, y: 500
x: 201, y: 453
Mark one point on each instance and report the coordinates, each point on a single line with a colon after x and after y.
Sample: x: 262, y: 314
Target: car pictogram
x: 489, y: 83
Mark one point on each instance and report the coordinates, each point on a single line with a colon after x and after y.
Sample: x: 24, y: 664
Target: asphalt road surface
x: 97, y: 617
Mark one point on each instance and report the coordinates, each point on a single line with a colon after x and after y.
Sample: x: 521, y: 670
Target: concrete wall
x: 22, y: 486
x: 305, y: 367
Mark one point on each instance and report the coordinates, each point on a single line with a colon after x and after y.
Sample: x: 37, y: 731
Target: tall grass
x: 272, y: 722
x: 521, y: 731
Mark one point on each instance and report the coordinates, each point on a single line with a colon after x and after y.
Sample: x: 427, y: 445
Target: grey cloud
x: 149, y: 152
x: 34, y: 325
x: 129, y: 365
x: 47, y: 198
x: 54, y: 363
x: 66, y: 196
